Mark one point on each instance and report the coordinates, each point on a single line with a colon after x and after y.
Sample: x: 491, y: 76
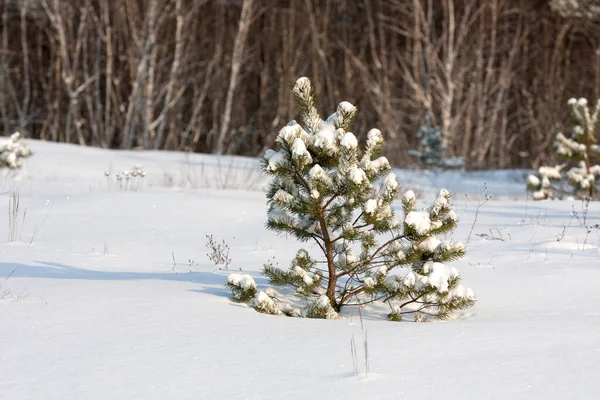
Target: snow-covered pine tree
x: 432, y: 148
x: 327, y: 191
x: 12, y: 150
x: 581, y: 170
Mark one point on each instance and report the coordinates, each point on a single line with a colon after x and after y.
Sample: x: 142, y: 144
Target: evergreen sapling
x: 12, y: 151
x: 326, y: 190
x: 431, y: 148
x: 581, y: 169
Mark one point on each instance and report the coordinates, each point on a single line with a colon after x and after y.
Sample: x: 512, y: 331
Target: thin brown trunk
x: 332, y: 282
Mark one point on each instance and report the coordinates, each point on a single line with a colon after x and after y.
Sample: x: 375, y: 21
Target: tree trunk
x: 332, y: 278
x: 236, y: 61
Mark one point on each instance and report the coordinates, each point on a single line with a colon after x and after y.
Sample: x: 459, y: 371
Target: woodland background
x: 215, y: 76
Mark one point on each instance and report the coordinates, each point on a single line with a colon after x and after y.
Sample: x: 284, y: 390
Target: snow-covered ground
x: 111, y: 294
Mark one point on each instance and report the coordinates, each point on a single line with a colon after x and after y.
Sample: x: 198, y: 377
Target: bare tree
x: 186, y: 74
x: 236, y: 62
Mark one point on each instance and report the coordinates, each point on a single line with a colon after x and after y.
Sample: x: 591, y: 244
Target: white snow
x: 409, y: 196
x: 244, y: 281
x: 452, y: 215
x: 299, y: 151
x: 370, y: 206
x: 305, y: 276
x: 439, y: 202
x: 419, y: 221
x: 439, y: 274
x: 97, y: 308
x: 275, y: 160
x: 269, y: 154
x: 346, y: 107
x: 316, y: 172
x: 533, y: 181
x: 317, y: 175
x: 264, y: 303
x: 262, y: 297
x: 283, y: 197
x: 357, y: 175
x: 325, y: 138
x: 374, y: 137
x: 388, y: 185
x: 409, y: 279
x: 538, y: 195
x: 351, y: 258
x: 380, y: 163
x: 549, y: 172
x: 349, y: 141
x: 430, y: 244
x: 449, y: 245
x: 323, y: 301
x: 400, y: 255
x: 381, y: 271
x: 461, y: 291
x: 289, y: 133
x: 277, y: 214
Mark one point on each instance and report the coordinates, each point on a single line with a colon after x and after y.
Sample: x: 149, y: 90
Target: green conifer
x: 326, y: 190
x: 432, y: 148
x: 581, y: 154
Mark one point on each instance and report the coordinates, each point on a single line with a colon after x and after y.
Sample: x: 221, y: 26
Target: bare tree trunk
x: 173, y: 78
x: 26, y: 79
x: 89, y: 101
x: 449, y: 58
x: 108, y: 85
x: 199, y: 105
x: 149, y: 126
x: 98, y: 97
x: 4, y: 71
x: 69, y: 63
x: 236, y: 61
x: 134, y: 106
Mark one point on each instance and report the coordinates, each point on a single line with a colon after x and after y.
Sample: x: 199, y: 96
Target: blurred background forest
x: 214, y: 76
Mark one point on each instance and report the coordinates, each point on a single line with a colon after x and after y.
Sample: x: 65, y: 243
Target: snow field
x: 98, y: 309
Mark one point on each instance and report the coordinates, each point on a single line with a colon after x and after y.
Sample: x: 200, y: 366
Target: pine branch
x: 383, y: 246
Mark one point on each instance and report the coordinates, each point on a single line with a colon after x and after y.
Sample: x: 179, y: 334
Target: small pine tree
x: 12, y: 151
x: 432, y: 148
x: 326, y: 190
x: 581, y: 169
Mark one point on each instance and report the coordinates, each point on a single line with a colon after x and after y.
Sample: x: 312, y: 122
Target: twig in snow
x: 480, y: 202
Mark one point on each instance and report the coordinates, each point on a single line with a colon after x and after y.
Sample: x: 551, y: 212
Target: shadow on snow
x: 52, y: 270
